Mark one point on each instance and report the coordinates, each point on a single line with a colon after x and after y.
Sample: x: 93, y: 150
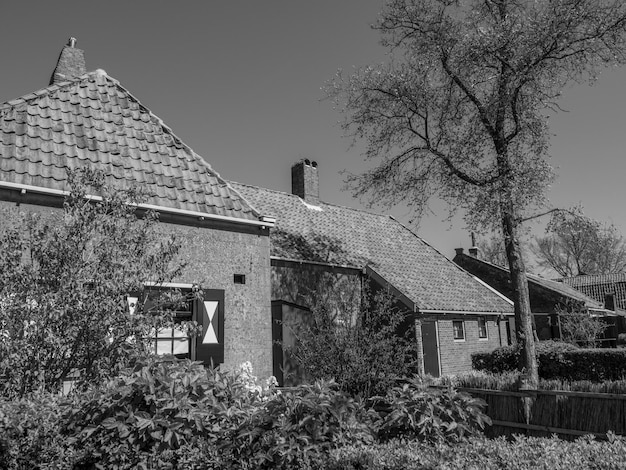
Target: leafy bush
x: 157, y: 407
x: 298, y: 427
x: 550, y: 357
x: 502, y: 359
x: 64, y: 278
x: 30, y: 434
x: 596, y: 365
x: 366, y: 350
x: 522, y: 453
x: 413, y: 411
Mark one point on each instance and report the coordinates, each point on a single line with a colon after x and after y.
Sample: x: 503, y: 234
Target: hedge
x: 559, y: 360
x: 482, y: 453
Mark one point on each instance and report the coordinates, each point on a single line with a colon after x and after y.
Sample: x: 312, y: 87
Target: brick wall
x: 213, y: 257
x: 455, y: 356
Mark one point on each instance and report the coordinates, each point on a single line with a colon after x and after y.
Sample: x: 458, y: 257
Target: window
x: 180, y: 304
x: 183, y: 303
x: 458, y: 326
x: 482, y: 328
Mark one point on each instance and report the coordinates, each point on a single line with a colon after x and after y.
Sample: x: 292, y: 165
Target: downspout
x: 420, y: 344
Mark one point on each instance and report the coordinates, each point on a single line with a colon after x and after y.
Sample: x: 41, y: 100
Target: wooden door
x: 430, y: 344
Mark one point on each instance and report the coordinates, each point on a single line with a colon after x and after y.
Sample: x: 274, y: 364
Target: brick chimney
x: 71, y: 63
x: 305, y: 181
x: 473, y: 251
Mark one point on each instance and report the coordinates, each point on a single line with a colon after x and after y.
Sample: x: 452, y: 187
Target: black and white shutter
x: 210, y: 315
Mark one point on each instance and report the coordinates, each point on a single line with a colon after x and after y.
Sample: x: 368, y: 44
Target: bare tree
x: 575, y: 244
x: 459, y: 111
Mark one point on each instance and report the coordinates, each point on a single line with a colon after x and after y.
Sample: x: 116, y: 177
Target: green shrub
x: 297, y: 428
x: 415, y: 411
x: 596, y: 365
x: 157, y: 407
x: 366, y: 349
x: 30, y: 435
x: 522, y: 453
x: 502, y: 359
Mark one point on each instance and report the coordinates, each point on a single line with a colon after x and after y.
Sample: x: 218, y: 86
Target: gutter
x: 460, y: 312
x: 264, y: 222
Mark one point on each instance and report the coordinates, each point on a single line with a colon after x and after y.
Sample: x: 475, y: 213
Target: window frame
x: 486, y: 336
x: 454, y: 331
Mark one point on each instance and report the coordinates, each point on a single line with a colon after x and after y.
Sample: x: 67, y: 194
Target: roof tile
x: 94, y: 120
x: 344, y: 236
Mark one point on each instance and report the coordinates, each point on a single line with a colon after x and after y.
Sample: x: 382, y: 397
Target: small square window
x: 239, y: 279
x: 482, y: 328
x: 458, y: 326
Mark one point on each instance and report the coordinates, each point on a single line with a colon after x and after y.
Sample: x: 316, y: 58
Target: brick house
x: 607, y: 288
x: 89, y: 119
x: 459, y: 314
x: 548, y: 298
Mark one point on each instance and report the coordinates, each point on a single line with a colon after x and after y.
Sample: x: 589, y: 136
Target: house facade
x: 315, y: 242
x: 88, y: 119
x: 609, y: 289
x: 549, y: 300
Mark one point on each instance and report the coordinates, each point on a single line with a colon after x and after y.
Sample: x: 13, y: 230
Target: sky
x: 240, y: 82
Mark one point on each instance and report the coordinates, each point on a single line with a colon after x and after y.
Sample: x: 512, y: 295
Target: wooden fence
x: 568, y: 414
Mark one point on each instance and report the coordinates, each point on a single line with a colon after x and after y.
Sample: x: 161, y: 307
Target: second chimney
x: 305, y: 181
x: 71, y: 63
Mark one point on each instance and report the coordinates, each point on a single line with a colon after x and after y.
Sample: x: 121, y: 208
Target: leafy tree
x: 365, y: 352
x: 64, y: 281
x: 575, y: 244
x: 492, y: 250
x: 459, y: 111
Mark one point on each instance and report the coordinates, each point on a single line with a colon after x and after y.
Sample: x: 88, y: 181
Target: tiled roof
x: 92, y: 120
x: 598, y: 285
x: 554, y: 286
x: 338, y: 235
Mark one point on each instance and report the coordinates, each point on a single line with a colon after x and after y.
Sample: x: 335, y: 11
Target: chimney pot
x: 459, y: 251
x: 473, y: 251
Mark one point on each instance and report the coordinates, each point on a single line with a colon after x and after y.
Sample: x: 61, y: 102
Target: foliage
x: 29, y: 434
x: 298, y: 427
x: 502, y: 359
x: 559, y: 360
x: 412, y: 411
x: 579, y: 327
x: 595, y: 365
x: 575, y: 245
x: 162, y: 404
x: 364, y: 351
x: 459, y: 111
x: 506, y: 358
x: 521, y: 453
x: 492, y: 250
x: 63, y: 285
x: 510, y: 381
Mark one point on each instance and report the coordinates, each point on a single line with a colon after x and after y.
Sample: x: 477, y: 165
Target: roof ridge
x: 536, y: 278
x: 98, y: 78
x: 195, y: 155
x: 46, y: 90
x: 331, y: 204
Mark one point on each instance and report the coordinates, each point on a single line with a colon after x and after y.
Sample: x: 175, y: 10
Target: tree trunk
x: 521, y: 300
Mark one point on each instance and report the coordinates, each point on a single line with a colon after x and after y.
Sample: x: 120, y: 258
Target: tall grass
x: 509, y: 381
